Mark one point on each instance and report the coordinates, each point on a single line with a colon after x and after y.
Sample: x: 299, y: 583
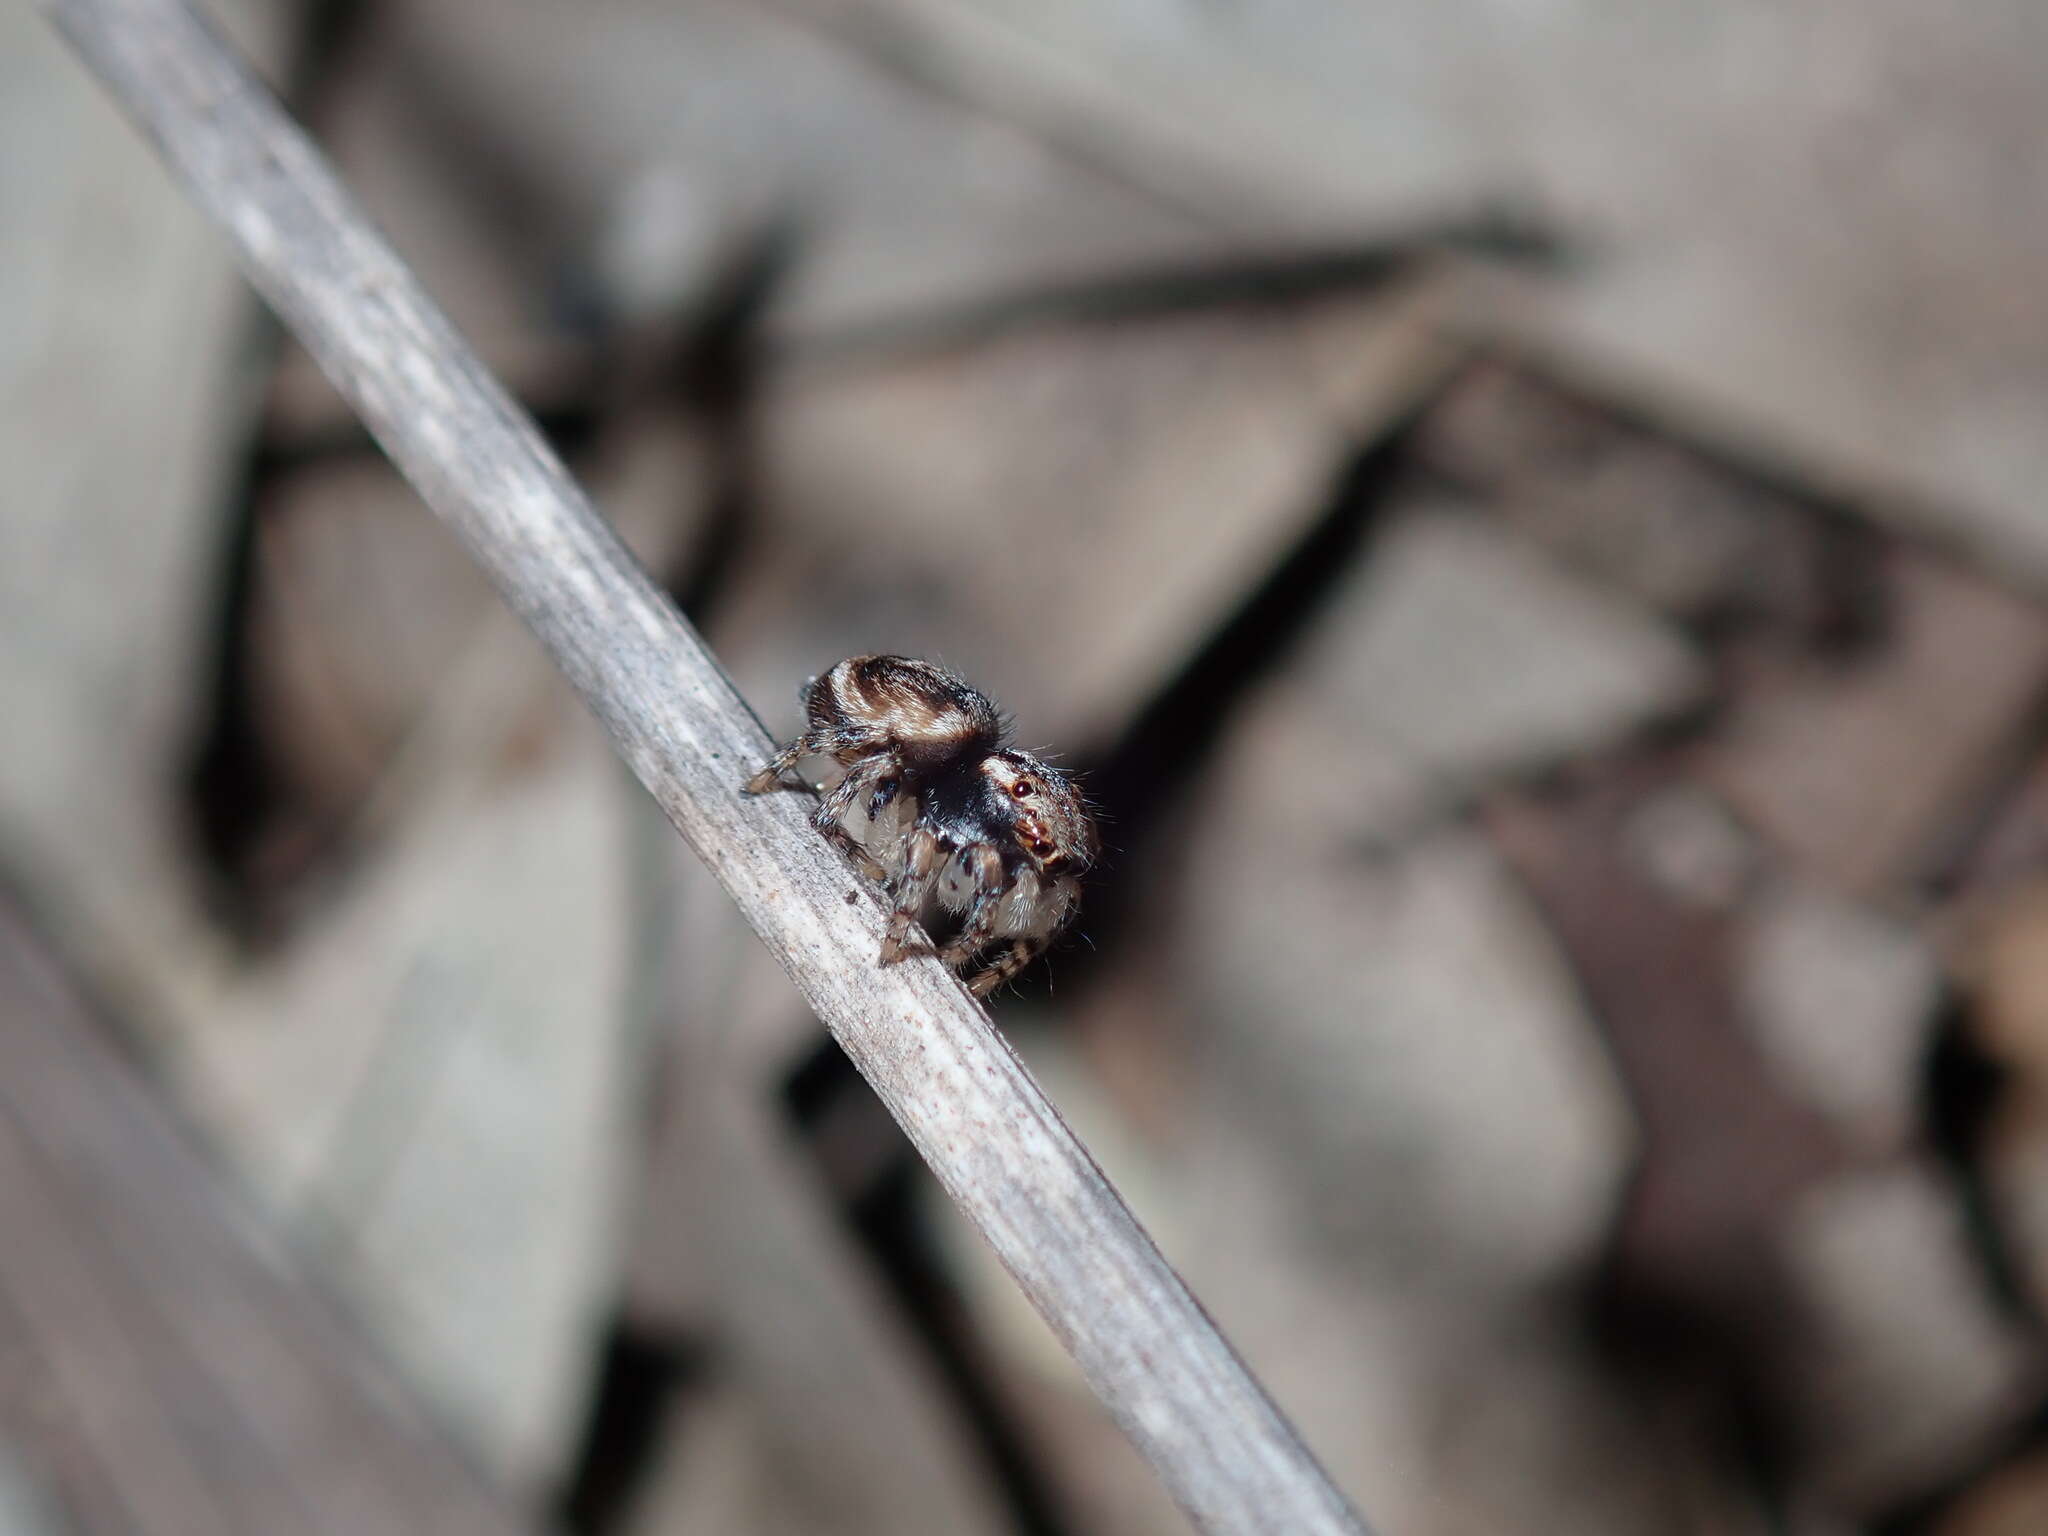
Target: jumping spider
x: 949, y: 812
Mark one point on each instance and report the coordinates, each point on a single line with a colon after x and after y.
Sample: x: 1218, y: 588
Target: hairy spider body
x: 947, y: 813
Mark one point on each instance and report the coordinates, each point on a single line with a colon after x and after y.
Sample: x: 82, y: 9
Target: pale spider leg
x: 1010, y: 962
x: 815, y: 742
x: 829, y: 818
x: 921, y: 864
x: 771, y: 777
x: 884, y: 796
x: 978, y: 931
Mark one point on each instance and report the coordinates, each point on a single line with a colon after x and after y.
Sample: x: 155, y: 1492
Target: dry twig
x: 1225, y: 1452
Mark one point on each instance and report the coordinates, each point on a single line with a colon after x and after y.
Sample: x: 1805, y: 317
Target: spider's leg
x: 1054, y: 909
x: 830, y: 816
x: 1010, y: 962
x: 922, y: 861
x: 771, y: 776
x: 816, y: 741
x: 886, y: 791
x: 978, y: 931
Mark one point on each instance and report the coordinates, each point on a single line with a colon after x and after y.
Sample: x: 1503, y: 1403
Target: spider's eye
x: 1023, y: 789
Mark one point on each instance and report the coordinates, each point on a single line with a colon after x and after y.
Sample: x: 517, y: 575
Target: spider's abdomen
x: 924, y: 713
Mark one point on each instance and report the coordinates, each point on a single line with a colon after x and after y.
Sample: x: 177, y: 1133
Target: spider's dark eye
x: 1023, y: 789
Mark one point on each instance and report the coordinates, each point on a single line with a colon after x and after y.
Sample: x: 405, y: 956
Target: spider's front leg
x: 922, y: 860
x: 1009, y: 963
x: 1045, y: 907
x: 978, y: 930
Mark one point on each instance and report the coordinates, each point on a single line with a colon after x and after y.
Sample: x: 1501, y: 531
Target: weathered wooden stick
x: 1222, y: 1448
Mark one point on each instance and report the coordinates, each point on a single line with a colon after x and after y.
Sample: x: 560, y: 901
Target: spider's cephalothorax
x: 945, y: 812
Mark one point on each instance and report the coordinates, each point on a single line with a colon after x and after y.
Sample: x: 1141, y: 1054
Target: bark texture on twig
x: 1225, y: 1452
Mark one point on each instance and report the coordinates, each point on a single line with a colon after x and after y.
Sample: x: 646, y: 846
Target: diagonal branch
x: 1174, y: 1384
